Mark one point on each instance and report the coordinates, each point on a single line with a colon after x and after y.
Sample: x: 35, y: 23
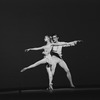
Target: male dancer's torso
x: 57, y: 51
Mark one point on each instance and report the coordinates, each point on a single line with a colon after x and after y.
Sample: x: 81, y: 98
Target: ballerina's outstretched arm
x: 38, y: 48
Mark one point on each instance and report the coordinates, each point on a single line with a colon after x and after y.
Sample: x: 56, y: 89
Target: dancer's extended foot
x: 72, y: 85
x: 23, y: 69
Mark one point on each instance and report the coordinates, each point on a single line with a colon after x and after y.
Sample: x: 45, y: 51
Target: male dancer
x: 57, y: 56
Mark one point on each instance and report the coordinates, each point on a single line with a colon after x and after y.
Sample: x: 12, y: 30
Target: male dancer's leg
x: 65, y: 67
x: 68, y: 74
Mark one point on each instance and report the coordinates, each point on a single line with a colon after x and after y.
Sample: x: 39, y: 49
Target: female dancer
x: 47, y: 59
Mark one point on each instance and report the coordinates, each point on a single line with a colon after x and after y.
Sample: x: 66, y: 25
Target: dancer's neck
x: 48, y: 42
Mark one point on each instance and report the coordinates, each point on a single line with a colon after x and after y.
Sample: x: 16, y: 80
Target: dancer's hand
x: 26, y: 50
x: 75, y: 42
x: 23, y: 69
x: 79, y: 41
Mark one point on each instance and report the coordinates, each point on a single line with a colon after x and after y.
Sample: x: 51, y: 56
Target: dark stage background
x: 23, y: 24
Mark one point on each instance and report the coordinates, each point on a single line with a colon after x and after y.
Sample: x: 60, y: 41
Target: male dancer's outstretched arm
x: 66, y: 44
x: 73, y: 43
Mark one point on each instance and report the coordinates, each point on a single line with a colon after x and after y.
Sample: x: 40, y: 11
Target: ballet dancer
x: 47, y: 59
x: 57, y: 56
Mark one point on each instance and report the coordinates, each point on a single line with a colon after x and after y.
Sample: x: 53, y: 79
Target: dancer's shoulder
x: 61, y: 42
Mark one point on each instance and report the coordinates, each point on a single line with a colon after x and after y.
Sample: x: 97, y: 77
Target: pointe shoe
x: 23, y: 70
x: 50, y: 88
x: 72, y: 86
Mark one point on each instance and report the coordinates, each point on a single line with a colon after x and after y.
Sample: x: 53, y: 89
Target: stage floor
x: 57, y: 90
x: 61, y: 93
